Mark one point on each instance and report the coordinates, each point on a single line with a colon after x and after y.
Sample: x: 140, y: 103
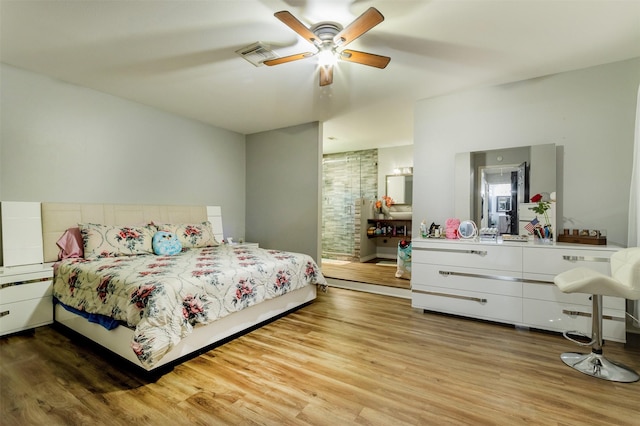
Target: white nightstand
x: 25, y: 297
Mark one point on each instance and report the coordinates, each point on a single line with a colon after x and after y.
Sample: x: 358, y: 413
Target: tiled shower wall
x: 346, y: 177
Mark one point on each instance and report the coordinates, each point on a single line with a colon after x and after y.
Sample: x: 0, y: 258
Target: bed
x: 155, y: 310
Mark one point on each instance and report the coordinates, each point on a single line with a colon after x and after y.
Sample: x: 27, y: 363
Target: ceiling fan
x: 330, y: 38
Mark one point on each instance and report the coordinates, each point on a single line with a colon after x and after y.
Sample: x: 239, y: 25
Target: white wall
x: 390, y: 159
x: 588, y: 113
x: 284, y: 188
x: 66, y: 143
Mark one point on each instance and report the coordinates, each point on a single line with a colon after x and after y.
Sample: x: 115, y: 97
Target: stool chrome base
x: 598, y: 366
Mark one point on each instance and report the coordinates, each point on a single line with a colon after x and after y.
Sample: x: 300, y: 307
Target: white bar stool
x: 624, y: 282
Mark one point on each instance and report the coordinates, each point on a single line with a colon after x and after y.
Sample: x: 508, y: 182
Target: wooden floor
x: 370, y: 273
x: 348, y: 358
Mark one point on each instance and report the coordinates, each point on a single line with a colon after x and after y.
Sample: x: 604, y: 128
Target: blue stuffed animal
x: 404, y: 258
x: 166, y: 243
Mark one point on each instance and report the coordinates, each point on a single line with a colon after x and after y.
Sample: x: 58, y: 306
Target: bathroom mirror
x: 485, y: 180
x: 400, y: 188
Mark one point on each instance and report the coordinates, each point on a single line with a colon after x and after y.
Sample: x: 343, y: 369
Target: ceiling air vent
x: 257, y: 53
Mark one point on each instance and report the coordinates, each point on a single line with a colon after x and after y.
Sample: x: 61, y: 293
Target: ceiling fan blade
x: 364, y: 58
x: 292, y: 22
x: 290, y: 58
x: 363, y: 23
x: 326, y: 75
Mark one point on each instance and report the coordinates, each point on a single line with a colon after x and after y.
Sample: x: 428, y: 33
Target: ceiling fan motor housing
x: 326, y: 31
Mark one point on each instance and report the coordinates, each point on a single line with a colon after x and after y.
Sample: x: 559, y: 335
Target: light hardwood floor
x: 348, y: 358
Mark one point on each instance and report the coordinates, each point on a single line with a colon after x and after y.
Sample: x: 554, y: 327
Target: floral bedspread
x: 164, y: 297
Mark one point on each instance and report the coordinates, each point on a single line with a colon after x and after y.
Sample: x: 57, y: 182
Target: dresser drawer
x: 469, y: 279
x: 491, y: 307
x: 551, y: 293
x: 561, y: 317
x: 13, y: 292
x: 25, y: 314
x: 551, y: 261
x: 25, y: 273
x: 469, y: 255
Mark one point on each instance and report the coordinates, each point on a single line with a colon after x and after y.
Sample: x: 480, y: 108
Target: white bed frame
x: 57, y: 217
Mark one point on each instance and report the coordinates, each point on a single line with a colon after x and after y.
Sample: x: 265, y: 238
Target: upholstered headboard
x: 58, y: 217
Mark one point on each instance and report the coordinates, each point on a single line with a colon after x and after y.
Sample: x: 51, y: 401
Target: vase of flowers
x: 545, y: 231
x: 382, y: 206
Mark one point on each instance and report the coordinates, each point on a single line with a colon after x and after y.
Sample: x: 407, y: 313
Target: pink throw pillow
x: 70, y: 244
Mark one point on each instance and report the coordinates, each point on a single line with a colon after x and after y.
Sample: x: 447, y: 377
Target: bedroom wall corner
x: 283, y: 188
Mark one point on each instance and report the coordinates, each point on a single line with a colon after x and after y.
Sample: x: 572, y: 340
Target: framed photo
x: 504, y: 204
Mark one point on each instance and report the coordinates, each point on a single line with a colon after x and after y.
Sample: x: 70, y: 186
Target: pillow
x: 113, y: 240
x: 166, y: 243
x: 191, y: 235
x: 70, y: 244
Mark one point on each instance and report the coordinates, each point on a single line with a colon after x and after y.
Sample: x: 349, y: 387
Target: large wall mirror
x: 493, y: 188
x: 400, y: 188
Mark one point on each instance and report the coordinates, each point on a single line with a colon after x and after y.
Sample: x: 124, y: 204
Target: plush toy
x: 166, y: 243
x: 404, y: 259
x: 451, y: 228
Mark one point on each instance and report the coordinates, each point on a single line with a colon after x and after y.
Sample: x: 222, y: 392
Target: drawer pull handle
x: 585, y: 259
x: 530, y: 281
x: 478, y: 252
x: 36, y: 280
x: 576, y: 313
x: 588, y: 315
x: 489, y: 277
x: 4, y: 313
x: 453, y: 296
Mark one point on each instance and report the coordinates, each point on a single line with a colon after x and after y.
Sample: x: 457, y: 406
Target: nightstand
x: 25, y: 297
x: 243, y: 244
x: 246, y: 244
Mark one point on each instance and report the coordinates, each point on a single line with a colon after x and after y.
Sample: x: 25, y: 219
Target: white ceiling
x: 179, y: 56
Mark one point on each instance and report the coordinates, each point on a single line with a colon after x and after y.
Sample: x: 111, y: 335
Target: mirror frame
x: 542, y: 161
x: 467, y: 229
x: 407, y: 198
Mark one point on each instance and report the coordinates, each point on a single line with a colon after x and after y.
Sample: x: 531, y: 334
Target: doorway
x: 346, y: 177
x: 502, y: 188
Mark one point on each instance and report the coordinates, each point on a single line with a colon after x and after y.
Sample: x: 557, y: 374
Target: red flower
x: 536, y: 198
x: 191, y: 307
x: 128, y: 233
x: 137, y: 348
x: 191, y: 230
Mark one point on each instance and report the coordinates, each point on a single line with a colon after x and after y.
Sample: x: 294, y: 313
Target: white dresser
x: 545, y: 306
x: 510, y: 283
x: 25, y: 297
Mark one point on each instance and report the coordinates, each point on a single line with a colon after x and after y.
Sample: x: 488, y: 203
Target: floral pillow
x: 112, y: 240
x: 191, y: 235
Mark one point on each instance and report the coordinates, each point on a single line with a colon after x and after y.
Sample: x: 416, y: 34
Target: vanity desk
x: 511, y: 282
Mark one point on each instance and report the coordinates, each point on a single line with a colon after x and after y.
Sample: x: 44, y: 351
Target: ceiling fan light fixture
x: 327, y: 57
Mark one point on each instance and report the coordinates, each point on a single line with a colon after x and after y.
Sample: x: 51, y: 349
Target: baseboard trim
x: 402, y: 293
